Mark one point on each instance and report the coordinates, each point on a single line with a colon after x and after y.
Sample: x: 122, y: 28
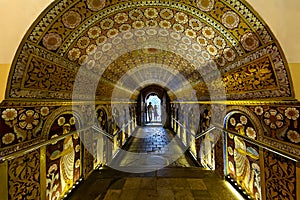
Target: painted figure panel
x: 63, y: 163
x: 242, y: 162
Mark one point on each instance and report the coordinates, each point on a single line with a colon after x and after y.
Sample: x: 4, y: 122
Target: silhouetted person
x: 150, y: 109
x: 155, y: 113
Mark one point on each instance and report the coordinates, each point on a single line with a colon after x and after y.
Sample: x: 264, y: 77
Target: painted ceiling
x: 196, y: 50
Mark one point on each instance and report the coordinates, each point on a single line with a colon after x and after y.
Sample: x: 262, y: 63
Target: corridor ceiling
x: 196, y: 50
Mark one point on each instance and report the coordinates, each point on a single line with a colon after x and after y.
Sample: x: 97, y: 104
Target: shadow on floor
x: 168, y: 183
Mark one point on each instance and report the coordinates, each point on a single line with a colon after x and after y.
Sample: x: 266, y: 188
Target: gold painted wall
x: 294, y: 69
x: 295, y: 72
x: 4, y: 71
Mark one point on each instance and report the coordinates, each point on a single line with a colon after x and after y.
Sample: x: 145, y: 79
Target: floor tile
x: 132, y: 183
x: 183, y: 195
x: 165, y: 194
x: 112, y: 194
x: 163, y: 183
x: 178, y: 183
x: 148, y: 183
x: 147, y: 194
x: 129, y: 194
x: 196, y: 184
x: 201, y: 195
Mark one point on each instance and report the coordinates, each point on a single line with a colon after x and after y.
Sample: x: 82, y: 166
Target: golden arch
x: 229, y: 34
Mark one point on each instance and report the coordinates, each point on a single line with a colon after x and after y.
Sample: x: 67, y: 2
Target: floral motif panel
x: 44, y: 75
x: 242, y: 162
x: 22, y: 124
x: 24, y: 177
x: 280, y: 176
x: 63, y: 161
x: 255, y: 76
x: 280, y: 122
x: 102, y: 118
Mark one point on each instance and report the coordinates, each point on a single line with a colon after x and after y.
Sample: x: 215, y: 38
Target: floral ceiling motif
x: 196, y: 39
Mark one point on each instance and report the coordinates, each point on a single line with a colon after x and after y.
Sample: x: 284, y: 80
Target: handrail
x: 123, y: 127
x: 252, y: 141
x: 184, y: 127
x: 260, y: 144
x: 111, y: 136
x: 196, y: 136
x: 204, y: 132
x: 99, y: 130
x: 21, y: 152
x: 37, y: 146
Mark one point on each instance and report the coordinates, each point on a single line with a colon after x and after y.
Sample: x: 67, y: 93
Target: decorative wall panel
x: 219, y: 155
x: 98, y: 140
x: 24, y: 177
x: 207, y: 149
x: 88, y: 162
x: 63, y: 160
x: 21, y: 126
x: 242, y: 162
x: 280, y: 122
x: 44, y: 75
x: 280, y: 176
x: 258, y: 75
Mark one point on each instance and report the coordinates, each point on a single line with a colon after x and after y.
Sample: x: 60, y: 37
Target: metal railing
x: 250, y: 140
x: 185, y: 128
x: 123, y: 127
x: 261, y: 144
x: 196, y: 136
x: 39, y: 145
x: 34, y: 147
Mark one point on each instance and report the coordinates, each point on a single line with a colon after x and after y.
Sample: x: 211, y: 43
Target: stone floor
x: 152, y: 147
x: 154, y: 166
x: 172, y: 183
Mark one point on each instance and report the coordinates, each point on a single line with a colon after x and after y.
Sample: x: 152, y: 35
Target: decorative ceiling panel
x: 213, y: 44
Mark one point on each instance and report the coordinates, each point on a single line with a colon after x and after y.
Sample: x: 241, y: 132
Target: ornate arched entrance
x: 86, y: 54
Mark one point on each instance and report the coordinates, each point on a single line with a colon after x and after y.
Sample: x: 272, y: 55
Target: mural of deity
x: 63, y: 160
x: 245, y: 176
x: 67, y: 160
x: 242, y: 156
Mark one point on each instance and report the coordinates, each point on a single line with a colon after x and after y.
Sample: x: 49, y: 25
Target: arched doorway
x: 160, y: 103
x: 156, y: 111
